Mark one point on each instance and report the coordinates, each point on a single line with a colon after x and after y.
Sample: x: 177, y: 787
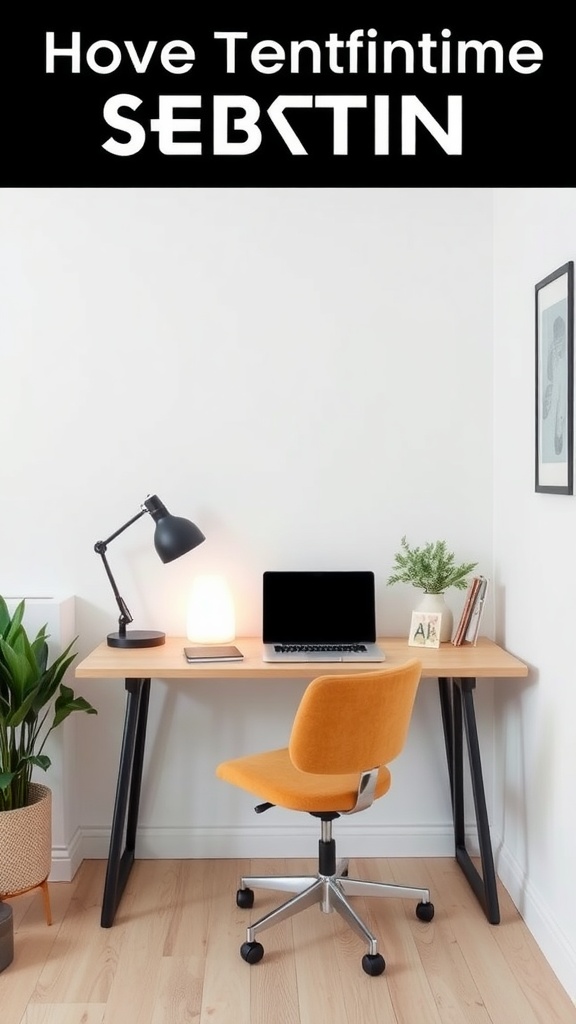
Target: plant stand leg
x: 46, y: 900
x: 45, y: 897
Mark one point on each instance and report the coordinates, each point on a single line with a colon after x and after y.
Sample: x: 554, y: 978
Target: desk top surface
x: 485, y: 660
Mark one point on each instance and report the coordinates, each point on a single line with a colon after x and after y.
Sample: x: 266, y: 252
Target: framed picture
x: 555, y: 381
x: 425, y: 629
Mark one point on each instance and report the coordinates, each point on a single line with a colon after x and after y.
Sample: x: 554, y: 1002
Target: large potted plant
x: 432, y: 569
x: 34, y: 701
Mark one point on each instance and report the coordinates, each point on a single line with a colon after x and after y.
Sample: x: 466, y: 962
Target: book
x: 469, y: 601
x: 213, y: 652
x: 473, y: 627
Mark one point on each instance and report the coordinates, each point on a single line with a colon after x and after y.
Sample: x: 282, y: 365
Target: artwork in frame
x: 555, y: 381
x: 425, y: 629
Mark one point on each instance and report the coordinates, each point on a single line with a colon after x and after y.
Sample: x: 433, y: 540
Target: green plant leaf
x: 29, y: 692
x: 15, y: 621
x: 40, y: 760
x: 67, y: 702
x: 5, y: 617
x: 15, y: 669
x: 50, y: 679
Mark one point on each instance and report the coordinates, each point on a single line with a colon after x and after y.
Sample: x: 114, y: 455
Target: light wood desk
x: 455, y: 668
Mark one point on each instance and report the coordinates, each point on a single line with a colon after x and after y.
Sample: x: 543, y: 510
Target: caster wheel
x: 425, y: 911
x: 251, y: 952
x: 373, y: 963
x: 245, y: 898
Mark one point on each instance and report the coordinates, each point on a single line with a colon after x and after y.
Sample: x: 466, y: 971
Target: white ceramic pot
x: 437, y: 603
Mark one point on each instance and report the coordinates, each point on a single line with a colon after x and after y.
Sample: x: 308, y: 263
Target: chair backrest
x: 356, y: 722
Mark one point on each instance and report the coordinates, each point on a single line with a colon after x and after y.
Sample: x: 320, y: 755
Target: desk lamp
x: 173, y: 537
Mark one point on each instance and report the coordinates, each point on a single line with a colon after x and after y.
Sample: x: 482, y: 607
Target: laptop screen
x: 318, y: 607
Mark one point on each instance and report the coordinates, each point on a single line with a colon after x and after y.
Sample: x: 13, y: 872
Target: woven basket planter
x: 26, y: 843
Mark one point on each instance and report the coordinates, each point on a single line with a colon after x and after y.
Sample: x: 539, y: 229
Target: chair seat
x: 272, y: 777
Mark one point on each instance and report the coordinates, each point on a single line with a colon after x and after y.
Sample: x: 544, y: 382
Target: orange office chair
x: 345, y: 732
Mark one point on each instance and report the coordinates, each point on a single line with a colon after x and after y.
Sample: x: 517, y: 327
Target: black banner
x: 362, y: 98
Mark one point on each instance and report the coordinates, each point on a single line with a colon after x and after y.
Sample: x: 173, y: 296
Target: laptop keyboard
x: 311, y: 648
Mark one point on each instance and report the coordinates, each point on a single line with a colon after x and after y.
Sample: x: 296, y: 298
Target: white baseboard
x: 93, y: 843
x: 67, y: 859
x: 279, y: 841
x: 554, y: 944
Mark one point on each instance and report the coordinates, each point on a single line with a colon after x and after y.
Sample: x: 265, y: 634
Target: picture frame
x: 554, y: 381
x: 425, y: 629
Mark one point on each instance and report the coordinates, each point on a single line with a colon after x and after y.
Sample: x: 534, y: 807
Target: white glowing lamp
x: 211, y: 618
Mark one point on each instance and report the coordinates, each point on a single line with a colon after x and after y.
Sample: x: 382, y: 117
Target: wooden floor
x: 172, y: 957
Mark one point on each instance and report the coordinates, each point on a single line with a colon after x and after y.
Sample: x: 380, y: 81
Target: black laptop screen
x: 318, y: 607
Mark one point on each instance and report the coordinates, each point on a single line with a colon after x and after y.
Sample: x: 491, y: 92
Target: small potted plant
x: 434, y: 570
x: 33, y: 702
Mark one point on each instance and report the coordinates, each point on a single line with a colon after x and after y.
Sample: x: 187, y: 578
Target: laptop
x: 319, y: 617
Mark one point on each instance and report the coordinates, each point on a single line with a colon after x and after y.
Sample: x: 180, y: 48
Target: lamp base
x: 137, y: 638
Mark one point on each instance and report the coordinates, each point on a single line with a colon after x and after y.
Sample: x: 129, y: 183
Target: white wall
x: 305, y: 373
x: 535, y: 559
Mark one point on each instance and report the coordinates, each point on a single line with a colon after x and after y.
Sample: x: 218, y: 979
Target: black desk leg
x: 125, y: 818
x: 457, y: 704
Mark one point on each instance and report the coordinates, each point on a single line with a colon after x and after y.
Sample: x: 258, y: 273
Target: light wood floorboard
x: 172, y: 955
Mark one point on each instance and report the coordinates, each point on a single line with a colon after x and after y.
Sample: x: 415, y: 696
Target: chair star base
x: 330, y: 893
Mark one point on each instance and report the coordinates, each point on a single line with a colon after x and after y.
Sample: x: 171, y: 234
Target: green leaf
x: 28, y: 685
x: 15, y: 623
x: 39, y: 649
x: 5, y: 617
x: 50, y: 680
x: 67, y: 702
x: 40, y: 760
x: 5, y: 780
x: 15, y: 670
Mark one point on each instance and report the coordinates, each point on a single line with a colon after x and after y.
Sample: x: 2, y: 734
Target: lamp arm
x: 125, y: 615
x: 103, y: 544
x: 100, y: 549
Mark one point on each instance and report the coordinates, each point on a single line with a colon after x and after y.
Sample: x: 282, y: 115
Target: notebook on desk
x: 319, y: 617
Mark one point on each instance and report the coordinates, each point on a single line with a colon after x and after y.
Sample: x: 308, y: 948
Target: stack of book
x: 467, y: 629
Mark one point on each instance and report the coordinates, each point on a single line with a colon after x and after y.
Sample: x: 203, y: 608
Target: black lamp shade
x: 173, y: 536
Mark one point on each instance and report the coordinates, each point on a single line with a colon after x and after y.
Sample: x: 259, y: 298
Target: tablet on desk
x: 213, y: 652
